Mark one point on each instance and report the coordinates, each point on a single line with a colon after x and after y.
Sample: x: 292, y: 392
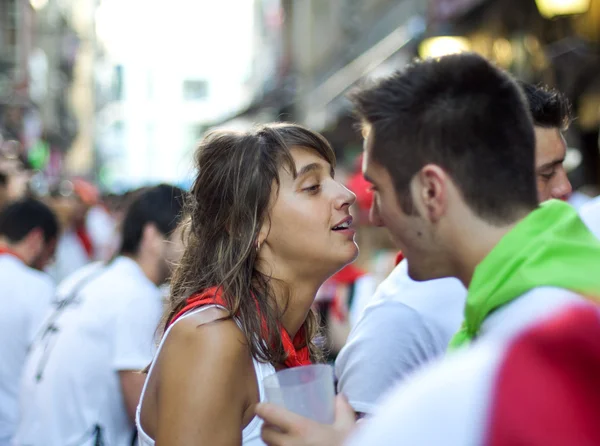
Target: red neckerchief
x: 296, y: 356
x: 346, y: 277
x: 85, y: 240
x: 399, y: 258
x: 5, y: 250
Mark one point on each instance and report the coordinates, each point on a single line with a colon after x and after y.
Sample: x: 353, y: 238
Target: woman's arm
x: 203, y: 385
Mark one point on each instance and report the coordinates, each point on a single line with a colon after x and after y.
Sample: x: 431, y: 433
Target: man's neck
x: 18, y: 249
x: 474, y: 242
x: 149, y: 267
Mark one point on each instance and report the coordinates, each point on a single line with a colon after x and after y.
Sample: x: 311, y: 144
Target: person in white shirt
x: 406, y: 324
x: 81, y: 382
x: 409, y: 322
x: 28, y: 231
x: 450, y: 150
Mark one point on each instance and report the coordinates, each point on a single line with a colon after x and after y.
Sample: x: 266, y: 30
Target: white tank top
x: 250, y: 434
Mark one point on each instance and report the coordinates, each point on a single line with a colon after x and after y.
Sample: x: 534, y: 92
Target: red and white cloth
x: 541, y: 387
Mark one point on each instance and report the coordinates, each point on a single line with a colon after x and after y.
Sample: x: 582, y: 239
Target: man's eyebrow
x: 551, y: 164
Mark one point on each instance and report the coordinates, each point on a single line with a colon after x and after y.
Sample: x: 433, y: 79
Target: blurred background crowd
x: 99, y: 98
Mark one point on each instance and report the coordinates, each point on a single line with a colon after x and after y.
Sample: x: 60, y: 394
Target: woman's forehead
x: 306, y: 156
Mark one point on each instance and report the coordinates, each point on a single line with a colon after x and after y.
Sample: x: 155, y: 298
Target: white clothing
x: 102, y: 229
x: 70, y: 257
x: 251, y: 433
x: 407, y: 324
x: 447, y: 402
x: 71, y: 386
x: 590, y: 214
x: 364, y: 288
x: 25, y: 296
x: 579, y: 199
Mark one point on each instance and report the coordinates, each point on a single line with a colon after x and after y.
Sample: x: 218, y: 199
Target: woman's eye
x: 312, y: 189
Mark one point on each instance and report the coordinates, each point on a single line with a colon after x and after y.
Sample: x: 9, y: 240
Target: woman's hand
x: 284, y: 428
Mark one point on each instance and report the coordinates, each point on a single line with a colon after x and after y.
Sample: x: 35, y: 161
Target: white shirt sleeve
x: 445, y: 403
x: 388, y: 343
x: 135, y: 332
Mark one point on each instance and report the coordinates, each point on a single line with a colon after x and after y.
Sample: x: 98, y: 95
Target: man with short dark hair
x: 551, y: 113
x: 81, y: 382
x: 450, y: 151
x: 28, y: 231
x: 409, y: 323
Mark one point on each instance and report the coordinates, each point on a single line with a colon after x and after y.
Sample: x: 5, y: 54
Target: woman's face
x: 309, y: 233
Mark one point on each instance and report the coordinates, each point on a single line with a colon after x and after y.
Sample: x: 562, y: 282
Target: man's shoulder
x: 535, y: 305
x: 25, y: 278
x: 115, y: 279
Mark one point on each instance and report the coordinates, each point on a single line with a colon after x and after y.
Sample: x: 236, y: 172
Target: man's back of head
x: 463, y: 114
x: 148, y: 228
x: 451, y: 141
x: 29, y: 228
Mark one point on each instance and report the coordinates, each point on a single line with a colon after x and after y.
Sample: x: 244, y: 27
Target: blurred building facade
x: 332, y: 46
x: 38, y: 48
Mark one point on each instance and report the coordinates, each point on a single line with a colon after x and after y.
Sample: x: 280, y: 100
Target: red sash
x: 296, y: 356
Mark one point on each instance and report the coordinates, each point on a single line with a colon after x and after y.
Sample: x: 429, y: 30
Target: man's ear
x: 151, y: 236
x: 431, y: 184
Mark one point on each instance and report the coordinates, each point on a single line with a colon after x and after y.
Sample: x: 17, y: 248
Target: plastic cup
x: 308, y: 391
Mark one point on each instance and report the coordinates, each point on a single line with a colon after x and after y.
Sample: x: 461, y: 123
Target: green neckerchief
x: 550, y: 247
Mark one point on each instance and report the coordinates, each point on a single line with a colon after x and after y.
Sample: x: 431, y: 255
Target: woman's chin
x: 348, y: 254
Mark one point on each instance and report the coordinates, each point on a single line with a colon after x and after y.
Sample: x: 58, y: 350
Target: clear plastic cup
x: 308, y: 391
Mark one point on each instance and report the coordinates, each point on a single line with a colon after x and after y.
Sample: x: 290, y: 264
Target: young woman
x: 268, y: 225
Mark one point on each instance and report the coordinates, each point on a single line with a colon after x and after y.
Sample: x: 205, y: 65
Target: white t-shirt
x: 102, y: 229
x: 590, y: 214
x: 446, y: 402
x: 407, y: 324
x: 25, y: 296
x: 70, y: 257
x: 71, y: 384
x: 364, y: 288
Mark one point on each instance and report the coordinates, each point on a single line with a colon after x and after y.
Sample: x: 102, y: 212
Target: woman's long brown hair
x: 228, y: 203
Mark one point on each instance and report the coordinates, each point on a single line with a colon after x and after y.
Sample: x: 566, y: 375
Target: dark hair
x: 549, y: 108
x: 228, y: 204
x: 466, y: 116
x: 21, y: 217
x: 160, y: 205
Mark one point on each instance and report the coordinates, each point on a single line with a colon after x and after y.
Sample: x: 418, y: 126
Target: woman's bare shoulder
x: 209, y: 332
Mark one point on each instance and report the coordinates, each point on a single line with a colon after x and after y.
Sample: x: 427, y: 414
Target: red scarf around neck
x: 5, y: 250
x: 296, y: 356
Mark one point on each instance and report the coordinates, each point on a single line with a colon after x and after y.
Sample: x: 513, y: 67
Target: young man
x: 409, y: 322
x: 551, y: 113
x: 81, y: 382
x: 28, y: 231
x: 450, y: 151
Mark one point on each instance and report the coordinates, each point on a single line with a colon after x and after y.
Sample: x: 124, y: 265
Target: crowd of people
x: 152, y: 318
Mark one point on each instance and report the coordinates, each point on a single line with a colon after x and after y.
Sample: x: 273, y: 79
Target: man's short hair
x: 21, y: 217
x: 161, y: 205
x: 463, y: 114
x: 549, y: 108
